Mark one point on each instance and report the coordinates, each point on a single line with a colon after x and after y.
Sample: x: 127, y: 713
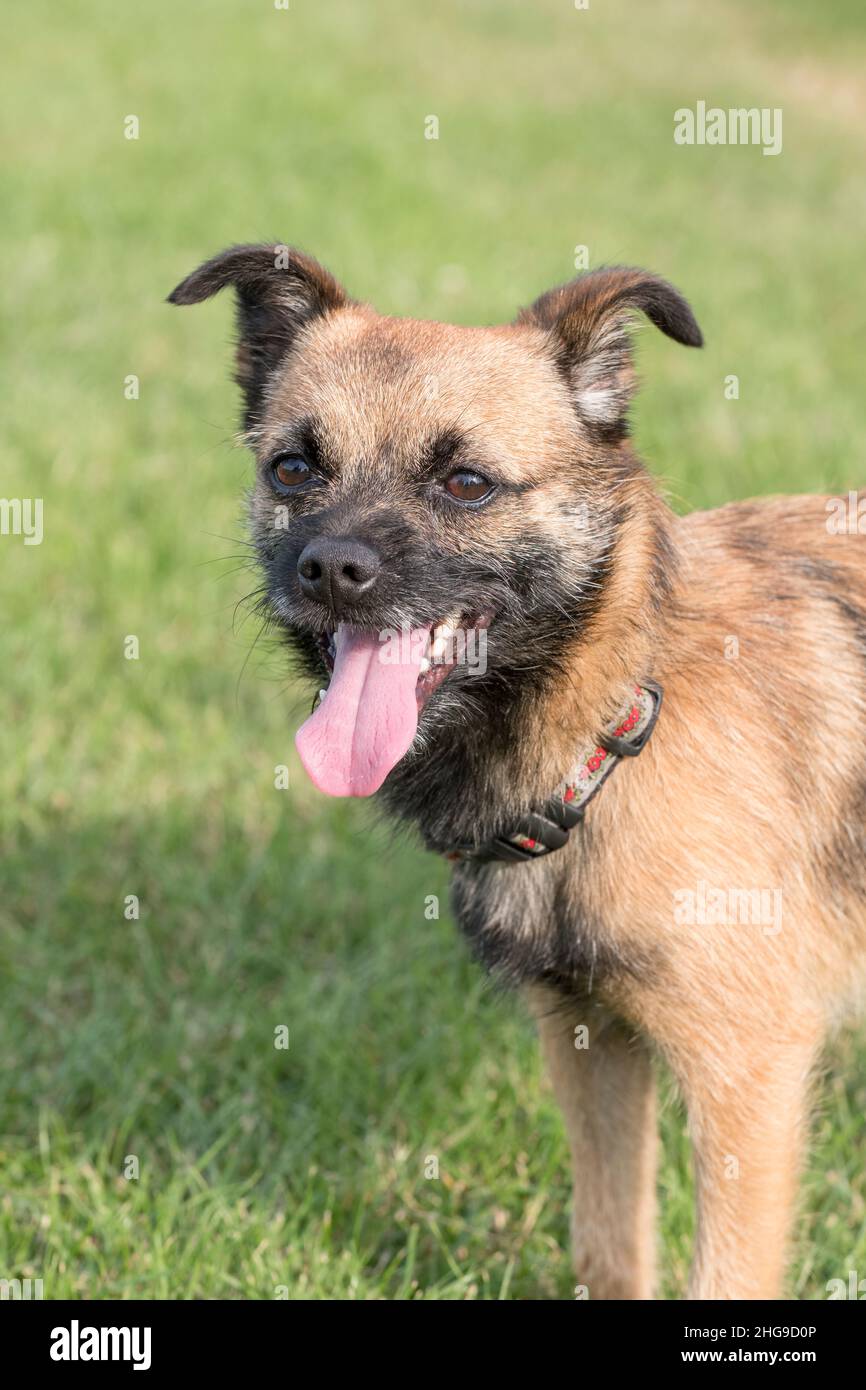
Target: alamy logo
x: 22, y: 516
x: 20, y: 1289
x: 846, y: 516
x: 447, y: 646
x: 705, y: 906
x: 855, y: 1287
x: 76, y: 1343
x: 739, y: 125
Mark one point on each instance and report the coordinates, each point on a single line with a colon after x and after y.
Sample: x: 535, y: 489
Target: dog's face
x: 435, y: 507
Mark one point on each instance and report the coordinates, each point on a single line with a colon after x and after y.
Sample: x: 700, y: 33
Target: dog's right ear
x: 279, y: 291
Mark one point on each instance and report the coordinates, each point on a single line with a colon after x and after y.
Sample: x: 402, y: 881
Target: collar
x: 539, y: 832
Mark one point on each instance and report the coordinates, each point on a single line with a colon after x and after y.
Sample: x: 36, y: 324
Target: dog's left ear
x: 279, y: 291
x: 588, y: 322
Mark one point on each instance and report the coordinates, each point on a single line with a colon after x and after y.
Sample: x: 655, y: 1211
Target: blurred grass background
x: 262, y: 1168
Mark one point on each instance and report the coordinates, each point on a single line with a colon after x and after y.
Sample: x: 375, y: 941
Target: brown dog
x: 460, y: 488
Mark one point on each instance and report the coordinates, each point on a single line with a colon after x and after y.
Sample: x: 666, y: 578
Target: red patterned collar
x: 540, y: 832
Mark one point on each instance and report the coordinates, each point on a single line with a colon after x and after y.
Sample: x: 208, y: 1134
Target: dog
x: 706, y: 903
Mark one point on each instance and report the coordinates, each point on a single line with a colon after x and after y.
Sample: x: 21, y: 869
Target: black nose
x: 337, y: 570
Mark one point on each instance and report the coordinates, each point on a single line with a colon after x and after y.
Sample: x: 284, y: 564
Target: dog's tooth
x: 442, y: 636
x: 425, y: 665
x: 322, y: 694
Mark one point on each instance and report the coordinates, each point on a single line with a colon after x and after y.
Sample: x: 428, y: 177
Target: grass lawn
x: 148, y: 1045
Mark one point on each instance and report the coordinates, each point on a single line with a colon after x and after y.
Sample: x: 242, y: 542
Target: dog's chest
x: 532, y: 924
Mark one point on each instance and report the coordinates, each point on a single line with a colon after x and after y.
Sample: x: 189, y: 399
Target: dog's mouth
x: 367, y: 717
x: 443, y: 646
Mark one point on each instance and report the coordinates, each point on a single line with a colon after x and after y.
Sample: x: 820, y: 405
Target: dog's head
x: 436, y: 508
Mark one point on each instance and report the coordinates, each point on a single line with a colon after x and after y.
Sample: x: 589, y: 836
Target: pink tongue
x: 368, y: 718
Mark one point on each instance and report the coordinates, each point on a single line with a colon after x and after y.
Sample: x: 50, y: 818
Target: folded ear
x: 588, y: 322
x: 279, y: 290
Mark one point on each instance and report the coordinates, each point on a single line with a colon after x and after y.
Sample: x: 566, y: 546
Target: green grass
x: 304, y: 1168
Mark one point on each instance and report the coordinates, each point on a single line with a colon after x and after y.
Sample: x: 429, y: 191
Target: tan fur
x: 742, y: 784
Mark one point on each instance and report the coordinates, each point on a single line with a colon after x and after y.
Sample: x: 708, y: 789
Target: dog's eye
x: 289, y: 471
x: 464, y: 486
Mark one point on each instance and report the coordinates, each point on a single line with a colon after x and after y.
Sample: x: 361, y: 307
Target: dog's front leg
x: 603, y: 1080
x: 747, y: 1100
